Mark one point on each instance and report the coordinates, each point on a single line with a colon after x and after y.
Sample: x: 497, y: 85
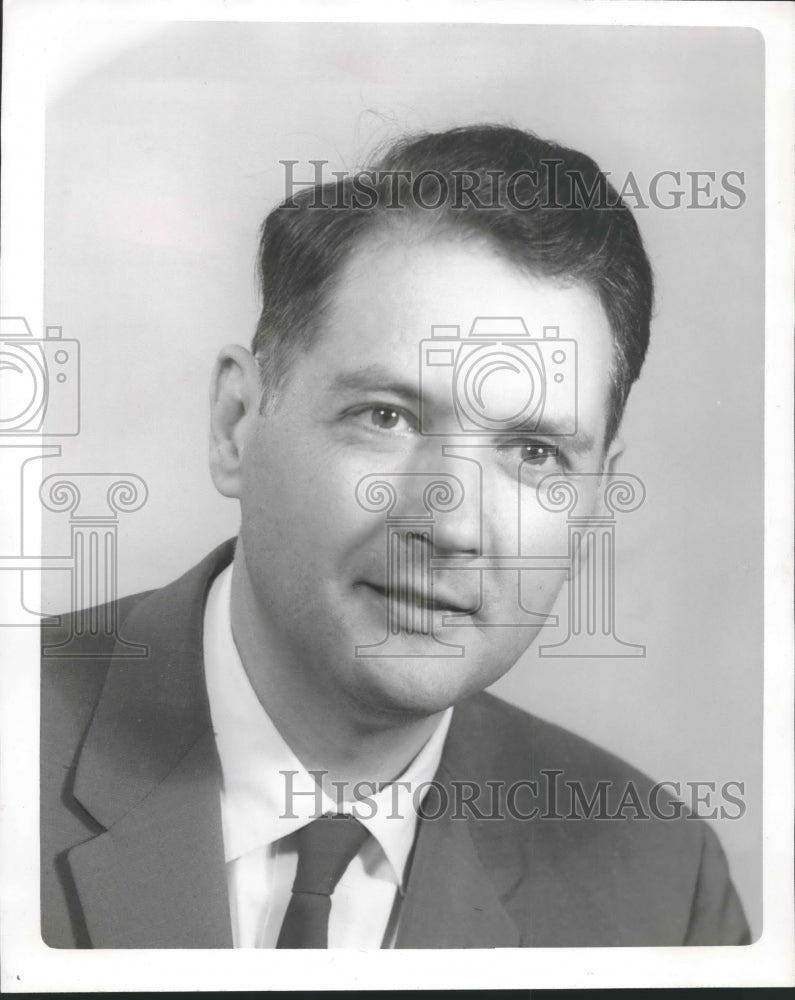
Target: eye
x: 531, y: 458
x: 537, y: 454
x: 384, y: 418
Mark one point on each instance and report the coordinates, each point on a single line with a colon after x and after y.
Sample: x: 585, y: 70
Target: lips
x: 437, y: 601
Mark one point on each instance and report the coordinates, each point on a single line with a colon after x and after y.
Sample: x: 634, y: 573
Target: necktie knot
x: 325, y: 849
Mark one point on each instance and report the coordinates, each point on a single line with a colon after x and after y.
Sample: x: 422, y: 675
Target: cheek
x: 539, y: 590
x: 543, y: 533
x: 548, y: 513
x: 517, y: 524
x: 302, y: 500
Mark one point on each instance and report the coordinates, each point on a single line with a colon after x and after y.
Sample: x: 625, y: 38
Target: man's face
x: 316, y: 552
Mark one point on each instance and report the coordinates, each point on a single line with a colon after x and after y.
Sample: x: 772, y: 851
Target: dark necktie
x: 325, y: 849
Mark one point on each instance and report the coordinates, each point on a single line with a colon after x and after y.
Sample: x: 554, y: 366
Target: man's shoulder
x: 79, y: 645
x: 74, y: 667
x: 74, y: 629
x: 519, y: 741
x: 580, y: 822
x: 137, y: 639
x: 552, y: 775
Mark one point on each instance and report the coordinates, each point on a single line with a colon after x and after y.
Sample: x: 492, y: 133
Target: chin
x: 416, y: 687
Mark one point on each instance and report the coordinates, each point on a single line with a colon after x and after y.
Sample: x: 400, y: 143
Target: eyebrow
x: 375, y: 377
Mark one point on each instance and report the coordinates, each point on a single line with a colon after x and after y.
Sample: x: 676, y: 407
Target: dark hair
x: 549, y: 209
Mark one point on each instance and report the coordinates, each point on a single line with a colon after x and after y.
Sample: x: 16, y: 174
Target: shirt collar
x: 267, y: 792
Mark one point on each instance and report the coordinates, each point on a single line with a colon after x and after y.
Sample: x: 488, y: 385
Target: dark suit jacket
x: 132, y: 851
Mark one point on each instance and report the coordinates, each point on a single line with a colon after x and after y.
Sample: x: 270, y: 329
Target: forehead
x: 393, y: 289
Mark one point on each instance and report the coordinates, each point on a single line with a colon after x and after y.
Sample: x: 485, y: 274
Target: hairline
x: 442, y: 229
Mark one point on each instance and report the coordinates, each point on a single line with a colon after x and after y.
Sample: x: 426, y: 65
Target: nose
x: 445, y: 496
x: 458, y: 532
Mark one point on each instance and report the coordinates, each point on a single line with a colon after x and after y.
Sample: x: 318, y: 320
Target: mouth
x: 422, y: 601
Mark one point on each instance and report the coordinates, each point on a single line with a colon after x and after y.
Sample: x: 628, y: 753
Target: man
x: 305, y: 758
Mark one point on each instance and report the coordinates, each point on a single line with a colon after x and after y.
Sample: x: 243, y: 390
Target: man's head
x: 547, y: 209
x: 307, y: 434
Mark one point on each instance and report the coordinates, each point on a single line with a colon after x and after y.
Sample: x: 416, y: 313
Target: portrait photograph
x: 397, y: 495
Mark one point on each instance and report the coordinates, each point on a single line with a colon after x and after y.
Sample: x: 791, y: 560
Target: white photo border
x: 30, y: 966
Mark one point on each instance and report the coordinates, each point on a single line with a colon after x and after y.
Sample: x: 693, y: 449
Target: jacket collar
x: 149, y: 774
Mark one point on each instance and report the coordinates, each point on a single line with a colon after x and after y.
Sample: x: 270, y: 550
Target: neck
x: 325, y: 730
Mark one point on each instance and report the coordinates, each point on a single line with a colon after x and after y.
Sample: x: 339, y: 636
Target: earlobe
x: 234, y: 404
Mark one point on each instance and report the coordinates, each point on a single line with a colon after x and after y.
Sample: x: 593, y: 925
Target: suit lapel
x: 156, y: 879
x: 452, y: 899
x: 463, y: 868
x: 149, y: 774
x: 474, y: 881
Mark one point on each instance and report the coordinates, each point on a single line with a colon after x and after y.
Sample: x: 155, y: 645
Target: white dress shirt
x: 258, y: 812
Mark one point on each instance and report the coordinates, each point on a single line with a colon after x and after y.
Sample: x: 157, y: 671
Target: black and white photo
x: 386, y: 458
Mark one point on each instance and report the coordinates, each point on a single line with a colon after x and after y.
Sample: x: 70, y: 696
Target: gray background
x: 162, y: 162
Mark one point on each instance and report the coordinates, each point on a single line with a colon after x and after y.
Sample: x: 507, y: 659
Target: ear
x: 609, y: 465
x: 234, y: 406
